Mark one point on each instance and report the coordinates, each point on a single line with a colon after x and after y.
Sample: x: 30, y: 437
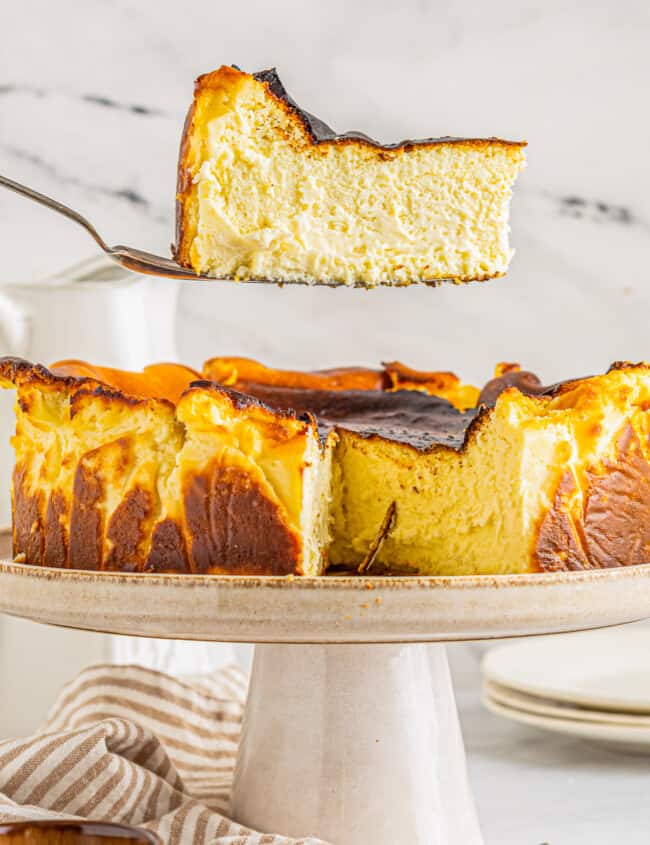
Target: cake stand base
x: 351, y: 731
x: 355, y: 744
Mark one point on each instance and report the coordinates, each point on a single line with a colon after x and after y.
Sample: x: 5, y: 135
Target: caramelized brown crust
x: 157, y: 381
x: 28, y: 528
x: 523, y: 380
x: 86, y: 520
x: 320, y: 133
x: 249, y: 376
x: 232, y: 527
x: 55, y: 545
x: 315, y: 131
x: 612, y: 527
x: 168, y: 550
x: 444, y: 384
x: 238, y: 373
x: 185, y: 211
x: 127, y: 529
x: 163, y: 382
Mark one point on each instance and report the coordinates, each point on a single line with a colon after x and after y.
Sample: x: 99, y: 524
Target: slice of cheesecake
x: 266, y: 191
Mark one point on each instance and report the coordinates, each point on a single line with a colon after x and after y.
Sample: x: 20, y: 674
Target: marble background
x: 92, y: 98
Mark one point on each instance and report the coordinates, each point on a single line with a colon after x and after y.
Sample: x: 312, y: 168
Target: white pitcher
x: 99, y: 312
x: 94, y: 310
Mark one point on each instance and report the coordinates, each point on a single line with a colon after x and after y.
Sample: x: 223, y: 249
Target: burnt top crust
x: 320, y: 132
x: 412, y: 417
x: 525, y: 381
x: 406, y: 416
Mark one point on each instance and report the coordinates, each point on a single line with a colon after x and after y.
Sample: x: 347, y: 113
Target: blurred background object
x: 594, y: 685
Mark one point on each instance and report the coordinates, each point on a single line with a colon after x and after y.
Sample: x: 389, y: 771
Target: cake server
x: 141, y: 261
x: 129, y: 257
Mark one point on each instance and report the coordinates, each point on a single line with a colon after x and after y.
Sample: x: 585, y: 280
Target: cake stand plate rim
x: 349, y: 609
x: 335, y: 582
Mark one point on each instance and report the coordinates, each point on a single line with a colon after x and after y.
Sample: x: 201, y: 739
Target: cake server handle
x: 129, y: 257
x: 55, y: 206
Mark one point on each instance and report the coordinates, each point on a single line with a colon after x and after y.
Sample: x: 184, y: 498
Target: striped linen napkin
x: 132, y: 745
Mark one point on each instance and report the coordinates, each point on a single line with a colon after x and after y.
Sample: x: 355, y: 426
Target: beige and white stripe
x: 132, y: 745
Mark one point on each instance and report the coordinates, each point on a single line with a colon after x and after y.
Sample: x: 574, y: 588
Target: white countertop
x: 531, y: 786
x: 534, y: 787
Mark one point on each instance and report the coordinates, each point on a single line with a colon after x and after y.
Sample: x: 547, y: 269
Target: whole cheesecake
x: 267, y: 191
x: 244, y: 469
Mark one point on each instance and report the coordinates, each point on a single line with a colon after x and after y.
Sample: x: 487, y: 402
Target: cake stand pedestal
x: 363, y: 738
x: 351, y: 730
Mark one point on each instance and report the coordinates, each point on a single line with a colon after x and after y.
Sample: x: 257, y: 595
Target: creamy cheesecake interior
x: 287, y: 479
x: 471, y: 508
x: 268, y: 192
x: 531, y: 479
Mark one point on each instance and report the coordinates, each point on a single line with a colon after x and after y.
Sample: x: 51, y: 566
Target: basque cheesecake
x: 170, y: 470
x: 267, y: 191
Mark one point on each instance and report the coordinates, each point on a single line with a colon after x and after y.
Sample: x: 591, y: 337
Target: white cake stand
x: 351, y: 731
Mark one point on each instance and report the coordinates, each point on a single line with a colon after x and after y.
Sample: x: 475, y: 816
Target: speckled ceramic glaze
x: 325, y: 610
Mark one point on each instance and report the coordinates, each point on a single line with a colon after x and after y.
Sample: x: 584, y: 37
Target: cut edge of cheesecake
x: 542, y: 478
x: 548, y: 482
x: 244, y: 137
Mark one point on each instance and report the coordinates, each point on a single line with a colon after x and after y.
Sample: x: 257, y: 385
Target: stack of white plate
x: 595, y: 686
